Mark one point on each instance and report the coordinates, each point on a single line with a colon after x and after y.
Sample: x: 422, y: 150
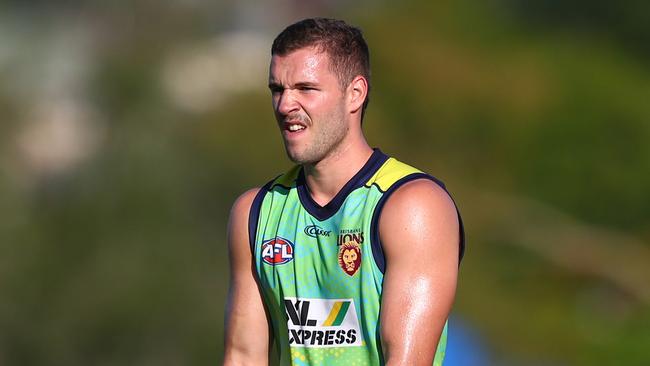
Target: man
x: 351, y: 257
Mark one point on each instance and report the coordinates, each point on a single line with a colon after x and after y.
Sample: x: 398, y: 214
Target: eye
x: 306, y: 88
x: 276, y: 89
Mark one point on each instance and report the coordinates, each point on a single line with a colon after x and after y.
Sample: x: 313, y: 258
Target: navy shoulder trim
x: 254, y: 214
x: 377, y: 249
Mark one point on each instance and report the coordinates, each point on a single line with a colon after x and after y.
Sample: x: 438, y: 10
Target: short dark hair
x: 344, y: 44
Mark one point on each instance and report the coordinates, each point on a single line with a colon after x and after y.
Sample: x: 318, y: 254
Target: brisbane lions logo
x: 350, y: 257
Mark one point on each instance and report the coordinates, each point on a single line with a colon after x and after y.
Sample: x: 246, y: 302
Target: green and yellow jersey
x: 321, y: 268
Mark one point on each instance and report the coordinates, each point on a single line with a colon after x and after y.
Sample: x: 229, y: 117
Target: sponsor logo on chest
x: 322, y: 323
x: 316, y: 231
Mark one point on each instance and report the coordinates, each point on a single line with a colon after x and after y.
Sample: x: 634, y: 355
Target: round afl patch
x: 277, y: 251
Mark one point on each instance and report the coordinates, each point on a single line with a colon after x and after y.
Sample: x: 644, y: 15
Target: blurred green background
x: 127, y: 129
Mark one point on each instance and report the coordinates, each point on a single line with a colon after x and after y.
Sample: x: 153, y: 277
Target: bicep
x: 419, y: 235
x: 247, y: 334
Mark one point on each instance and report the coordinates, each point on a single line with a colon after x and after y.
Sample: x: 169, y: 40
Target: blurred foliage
x: 534, y: 114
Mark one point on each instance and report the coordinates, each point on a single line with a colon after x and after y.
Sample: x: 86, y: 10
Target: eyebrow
x: 305, y: 84
x: 302, y: 84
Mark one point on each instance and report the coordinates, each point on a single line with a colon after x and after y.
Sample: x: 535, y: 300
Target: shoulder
x: 239, y: 214
x: 421, y: 211
x: 244, y: 202
x: 247, y: 200
x: 238, y: 232
x: 421, y: 193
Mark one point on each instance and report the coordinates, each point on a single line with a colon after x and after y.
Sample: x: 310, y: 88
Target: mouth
x: 294, y: 126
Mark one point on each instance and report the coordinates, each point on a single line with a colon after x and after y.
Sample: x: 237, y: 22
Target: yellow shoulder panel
x: 287, y: 179
x: 392, y: 171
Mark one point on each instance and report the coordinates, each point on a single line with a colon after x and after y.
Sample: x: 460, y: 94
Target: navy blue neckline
x: 322, y: 213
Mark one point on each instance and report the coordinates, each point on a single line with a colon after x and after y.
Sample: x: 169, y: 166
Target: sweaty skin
x: 320, y: 124
x: 419, y: 234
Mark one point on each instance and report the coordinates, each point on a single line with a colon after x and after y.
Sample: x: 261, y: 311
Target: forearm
x: 401, y: 354
x: 246, y: 336
x: 236, y: 356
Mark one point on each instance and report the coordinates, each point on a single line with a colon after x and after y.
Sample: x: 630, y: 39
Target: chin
x: 306, y: 155
x: 294, y: 156
x: 300, y: 158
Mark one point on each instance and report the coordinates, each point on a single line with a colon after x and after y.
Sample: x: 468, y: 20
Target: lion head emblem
x: 350, y: 257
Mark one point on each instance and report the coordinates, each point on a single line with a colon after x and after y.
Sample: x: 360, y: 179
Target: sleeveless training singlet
x: 321, y: 269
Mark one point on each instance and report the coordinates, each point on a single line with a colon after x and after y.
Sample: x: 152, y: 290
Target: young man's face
x: 309, y: 104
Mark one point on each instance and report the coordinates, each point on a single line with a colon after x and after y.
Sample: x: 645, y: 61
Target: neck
x: 326, y: 177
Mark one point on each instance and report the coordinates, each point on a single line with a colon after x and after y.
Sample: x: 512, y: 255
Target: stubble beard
x: 326, y: 137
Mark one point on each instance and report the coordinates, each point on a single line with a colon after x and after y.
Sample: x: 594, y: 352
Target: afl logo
x: 277, y: 251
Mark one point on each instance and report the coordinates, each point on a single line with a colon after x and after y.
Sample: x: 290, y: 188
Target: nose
x: 286, y: 102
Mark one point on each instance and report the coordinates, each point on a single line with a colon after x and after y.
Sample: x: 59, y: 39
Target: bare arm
x: 247, y: 333
x: 419, y: 234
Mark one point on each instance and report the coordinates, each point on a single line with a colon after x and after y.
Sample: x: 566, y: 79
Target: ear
x: 357, y: 92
